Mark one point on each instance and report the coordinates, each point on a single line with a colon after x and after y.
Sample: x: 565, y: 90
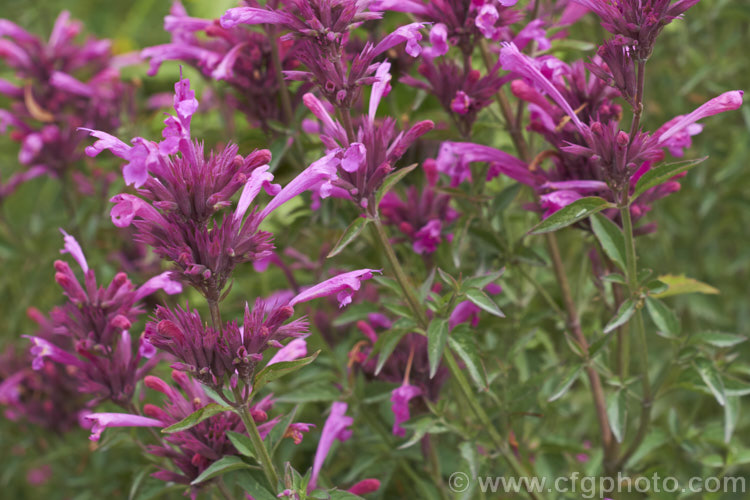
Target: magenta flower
x: 60, y: 85
x: 400, y: 398
x: 336, y: 428
x: 343, y: 285
x: 370, y: 156
x: 180, y: 208
x: 462, y: 91
x: 241, y: 57
x: 638, y: 21
x: 96, y: 320
x: 423, y: 217
x: 103, y: 421
x: 295, y: 349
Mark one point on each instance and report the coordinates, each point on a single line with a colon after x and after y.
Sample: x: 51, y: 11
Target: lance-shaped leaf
x: 391, y: 180
x: 252, y: 483
x: 437, y: 336
x: 385, y: 345
x: 720, y: 339
x: 664, y: 318
x: 483, y: 301
x: 197, y: 417
x: 661, y: 174
x: 731, y: 416
x: 617, y: 414
x: 462, y: 343
x: 350, y: 234
x: 479, y: 282
x: 280, y: 369
x: 711, y: 378
x: 610, y: 238
x: 680, y: 285
x: 221, y: 466
x: 243, y: 443
x: 624, y: 313
x: 578, y: 210
x: 566, y: 383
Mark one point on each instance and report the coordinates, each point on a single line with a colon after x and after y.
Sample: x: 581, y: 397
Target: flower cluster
x: 61, y: 86
x: 182, y: 196
x: 94, y: 327
x: 242, y: 58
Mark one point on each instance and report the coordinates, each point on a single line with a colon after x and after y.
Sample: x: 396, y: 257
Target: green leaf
x: 391, y: 180
x: 617, y: 414
x: 343, y: 495
x: 720, y: 339
x: 624, y: 313
x: 735, y: 387
x: 656, y: 287
x: 479, y: 282
x: 243, y: 443
x: 253, y: 485
x: 663, y: 173
x: 711, y: 378
x: 197, y: 417
x: 664, y: 318
x: 385, y: 345
x: 615, y: 278
x: 278, y: 370
x: 566, y: 384
x: 273, y: 439
x: 731, y: 416
x: 437, y: 336
x: 578, y: 210
x: 221, y: 466
x: 350, y: 234
x: 610, y: 238
x: 679, y: 285
x: 483, y: 301
x: 463, y: 344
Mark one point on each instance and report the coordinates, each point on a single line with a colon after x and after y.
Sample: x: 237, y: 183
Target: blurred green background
x: 703, y: 229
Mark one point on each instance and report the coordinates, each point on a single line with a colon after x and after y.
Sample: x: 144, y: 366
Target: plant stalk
x: 265, y: 459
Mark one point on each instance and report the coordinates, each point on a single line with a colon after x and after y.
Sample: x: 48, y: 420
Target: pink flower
x: 344, y: 285
x: 106, y: 420
x: 295, y: 349
x: 400, y: 406
x: 336, y: 427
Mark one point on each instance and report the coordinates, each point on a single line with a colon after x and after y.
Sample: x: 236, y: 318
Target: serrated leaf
x: 663, y: 317
x: 711, y: 378
x: 278, y: 370
x: 679, y: 285
x: 735, y: 387
x: 385, y: 345
x: 391, y: 180
x: 623, y: 314
x: 463, y: 344
x: 617, y: 414
x: 720, y: 339
x: 578, y: 210
x: 437, y: 336
x: 483, y: 301
x: 221, y: 466
x: 350, y: 234
x: 661, y: 174
x: 566, y: 383
x: 197, y: 417
x: 610, y: 238
x: 242, y: 442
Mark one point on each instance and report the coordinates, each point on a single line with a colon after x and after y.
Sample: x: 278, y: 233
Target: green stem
x: 260, y: 449
x: 640, y: 330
